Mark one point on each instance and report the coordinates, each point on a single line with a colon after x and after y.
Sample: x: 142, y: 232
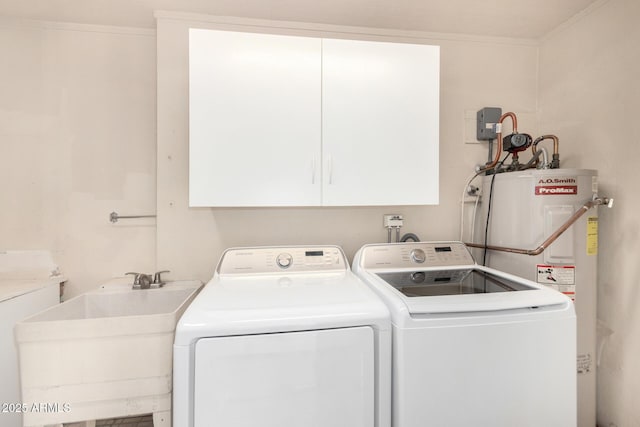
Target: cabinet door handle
x: 330, y: 169
x: 313, y: 170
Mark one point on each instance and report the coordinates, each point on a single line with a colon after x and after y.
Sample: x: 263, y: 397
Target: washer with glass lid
x: 472, y: 346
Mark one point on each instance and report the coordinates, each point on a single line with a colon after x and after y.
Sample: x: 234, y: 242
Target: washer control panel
x: 282, y: 259
x: 416, y: 255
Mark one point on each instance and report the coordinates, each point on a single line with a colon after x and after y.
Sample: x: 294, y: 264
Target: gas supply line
x: 596, y: 201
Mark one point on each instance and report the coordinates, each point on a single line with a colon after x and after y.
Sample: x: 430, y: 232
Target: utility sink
x: 102, y: 354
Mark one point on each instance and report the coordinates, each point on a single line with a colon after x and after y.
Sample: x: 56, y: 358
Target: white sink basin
x: 101, y: 304
x: 105, y: 353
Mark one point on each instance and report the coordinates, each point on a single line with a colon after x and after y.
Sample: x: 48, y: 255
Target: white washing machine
x: 472, y: 346
x: 283, y: 337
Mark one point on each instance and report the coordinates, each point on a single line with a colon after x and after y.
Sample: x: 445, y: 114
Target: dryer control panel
x: 283, y: 259
x: 416, y: 255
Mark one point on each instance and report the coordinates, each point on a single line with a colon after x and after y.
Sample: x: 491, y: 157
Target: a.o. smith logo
x: 557, y: 186
x: 556, y: 181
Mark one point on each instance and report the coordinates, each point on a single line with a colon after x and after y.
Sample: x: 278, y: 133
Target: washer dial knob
x: 418, y: 277
x: 284, y: 260
x: 418, y: 255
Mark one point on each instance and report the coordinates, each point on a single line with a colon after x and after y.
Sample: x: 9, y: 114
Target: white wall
x: 190, y: 240
x: 78, y: 138
x: 589, y: 96
x: 77, y: 141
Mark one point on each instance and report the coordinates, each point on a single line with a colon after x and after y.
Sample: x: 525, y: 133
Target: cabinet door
x: 254, y: 119
x: 380, y: 123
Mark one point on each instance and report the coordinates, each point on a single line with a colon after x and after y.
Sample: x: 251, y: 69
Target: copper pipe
x: 553, y: 237
x: 496, y: 159
x: 556, y: 146
x: 556, y: 143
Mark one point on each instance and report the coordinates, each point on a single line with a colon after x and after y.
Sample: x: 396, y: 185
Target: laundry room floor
x: 137, y: 421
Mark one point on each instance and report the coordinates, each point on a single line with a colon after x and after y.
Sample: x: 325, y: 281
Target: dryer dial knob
x: 284, y: 260
x: 418, y: 255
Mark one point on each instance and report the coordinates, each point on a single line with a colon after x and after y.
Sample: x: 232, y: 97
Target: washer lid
x: 445, y: 280
x: 462, y: 290
x: 429, y: 283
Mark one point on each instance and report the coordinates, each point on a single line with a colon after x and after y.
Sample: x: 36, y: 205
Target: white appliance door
x: 311, y: 378
x: 498, y: 370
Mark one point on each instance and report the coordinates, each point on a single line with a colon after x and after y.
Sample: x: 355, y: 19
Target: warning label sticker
x: 592, y: 235
x: 584, y: 363
x: 562, y: 278
x: 556, y: 186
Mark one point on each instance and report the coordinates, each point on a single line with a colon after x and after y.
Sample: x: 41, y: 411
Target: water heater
x: 525, y: 208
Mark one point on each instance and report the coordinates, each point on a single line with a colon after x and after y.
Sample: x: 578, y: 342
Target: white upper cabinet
x: 301, y: 121
x: 254, y: 119
x: 380, y: 105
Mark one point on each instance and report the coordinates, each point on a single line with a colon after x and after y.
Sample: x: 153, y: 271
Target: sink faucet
x: 141, y: 280
x: 145, y: 281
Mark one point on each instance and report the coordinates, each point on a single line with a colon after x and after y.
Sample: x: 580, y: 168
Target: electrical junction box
x: 487, y: 118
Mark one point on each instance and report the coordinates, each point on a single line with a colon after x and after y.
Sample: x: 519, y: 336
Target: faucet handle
x: 157, y: 279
